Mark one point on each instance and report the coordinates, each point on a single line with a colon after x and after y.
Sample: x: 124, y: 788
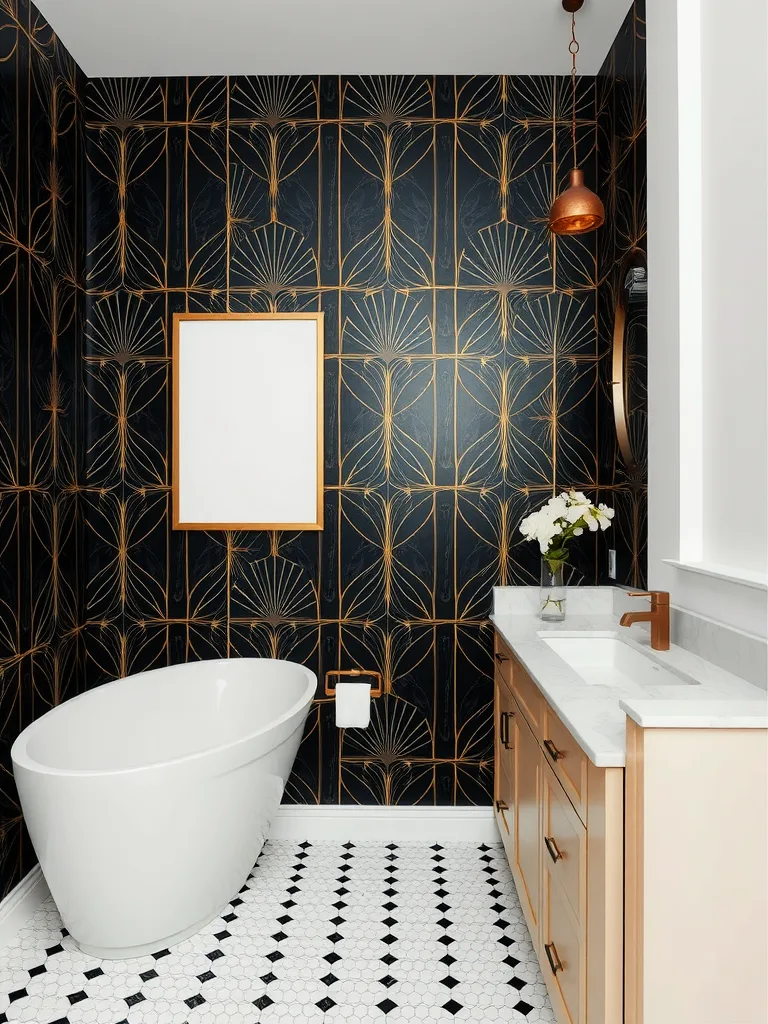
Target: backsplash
x: 41, y: 306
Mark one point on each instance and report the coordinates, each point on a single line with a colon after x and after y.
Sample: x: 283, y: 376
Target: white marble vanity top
x: 596, y: 715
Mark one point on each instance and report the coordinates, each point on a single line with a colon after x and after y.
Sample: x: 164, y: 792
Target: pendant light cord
x: 573, y: 49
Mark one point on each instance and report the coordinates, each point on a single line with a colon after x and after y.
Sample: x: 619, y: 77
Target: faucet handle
x: 656, y: 596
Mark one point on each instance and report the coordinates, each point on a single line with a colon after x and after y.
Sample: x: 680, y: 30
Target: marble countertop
x: 596, y: 715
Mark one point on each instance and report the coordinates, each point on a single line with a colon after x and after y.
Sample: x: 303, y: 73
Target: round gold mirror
x: 629, y: 375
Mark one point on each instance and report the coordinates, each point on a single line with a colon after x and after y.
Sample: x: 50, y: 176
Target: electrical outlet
x: 612, y: 563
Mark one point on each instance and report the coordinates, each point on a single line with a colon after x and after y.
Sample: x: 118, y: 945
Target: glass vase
x: 552, y: 592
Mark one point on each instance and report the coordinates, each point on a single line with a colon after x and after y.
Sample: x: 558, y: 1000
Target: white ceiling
x: 283, y: 37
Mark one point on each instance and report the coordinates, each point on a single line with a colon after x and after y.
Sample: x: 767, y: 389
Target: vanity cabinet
x: 561, y: 821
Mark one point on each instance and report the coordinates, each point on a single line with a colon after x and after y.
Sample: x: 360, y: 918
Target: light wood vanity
x: 645, y: 889
x: 562, y: 823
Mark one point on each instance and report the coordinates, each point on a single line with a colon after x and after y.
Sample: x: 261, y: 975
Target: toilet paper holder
x: 356, y: 673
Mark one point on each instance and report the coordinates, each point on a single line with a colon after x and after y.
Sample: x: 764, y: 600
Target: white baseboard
x: 21, y: 903
x: 400, y: 824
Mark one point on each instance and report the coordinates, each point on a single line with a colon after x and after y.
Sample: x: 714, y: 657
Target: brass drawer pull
x: 552, y: 750
x: 501, y: 658
x: 554, y: 960
x: 501, y: 806
x: 552, y: 849
x: 504, y: 728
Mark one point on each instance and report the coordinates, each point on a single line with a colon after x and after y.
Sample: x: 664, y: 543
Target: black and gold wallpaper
x: 620, y: 100
x: 41, y: 326
x: 461, y: 384
x: 464, y: 381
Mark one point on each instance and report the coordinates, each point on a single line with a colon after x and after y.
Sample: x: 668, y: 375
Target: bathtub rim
x: 20, y: 757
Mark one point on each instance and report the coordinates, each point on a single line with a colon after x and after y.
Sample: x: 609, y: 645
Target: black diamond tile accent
x: 293, y: 889
x: 161, y: 953
x: 343, y: 878
x: 438, y: 858
x: 452, y: 1006
x: 389, y: 905
x: 506, y: 941
x: 146, y: 976
x: 497, y: 908
x: 523, y: 1007
x: 244, y: 889
x: 442, y: 907
x: 206, y: 976
x: 278, y: 936
x: 64, y: 933
x: 501, y: 923
x: 230, y: 917
x: 391, y: 856
x: 61, y: 1020
x: 284, y: 919
x: 392, y: 846
x: 449, y: 981
x: 437, y: 847
x: 20, y: 993
x: 511, y: 962
x: 441, y: 892
x: 235, y: 902
x: 387, y: 981
x: 78, y: 997
x: 389, y: 921
x: 447, y: 959
x: 342, y: 891
x: 348, y: 846
x: 137, y: 997
x: 444, y: 922
x: 263, y: 1002
x: 215, y: 954
x: 487, y: 859
x: 335, y: 937
x: 41, y: 969
x: 305, y: 845
x: 517, y: 983
x: 267, y: 978
x: 386, y: 1005
x: 446, y: 940
x: 438, y: 870
x: 389, y: 939
x: 338, y: 920
x: 347, y: 856
x: 495, y: 894
x: 388, y: 959
x: 274, y: 956
x: 329, y: 979
x: 53, y: 950
x: 390, y: 892
x: 296, y: 878
x: 340, y: 904
x: 301, y: 856
x: 332, y: 958
x: 325, y: 1004
x: 288, y: 904
x: 484, y: 848
x: 488, y: 871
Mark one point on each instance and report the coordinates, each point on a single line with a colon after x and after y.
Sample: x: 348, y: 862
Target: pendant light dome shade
x: 577, y: 210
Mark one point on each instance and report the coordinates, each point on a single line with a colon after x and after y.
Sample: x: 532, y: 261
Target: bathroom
x: 536, y: 798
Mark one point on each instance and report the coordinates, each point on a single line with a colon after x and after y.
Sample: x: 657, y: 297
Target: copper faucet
x: 658, y: 617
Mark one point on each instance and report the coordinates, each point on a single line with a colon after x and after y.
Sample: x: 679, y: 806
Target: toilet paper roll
x: 353, y: 705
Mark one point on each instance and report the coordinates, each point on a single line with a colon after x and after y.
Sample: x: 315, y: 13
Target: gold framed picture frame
x: 247, y: 421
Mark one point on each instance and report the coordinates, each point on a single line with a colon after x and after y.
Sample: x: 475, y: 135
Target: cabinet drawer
x: 567, y: 759
x: 564, y: 844
x: 528, y: 696
x: 563, y: 962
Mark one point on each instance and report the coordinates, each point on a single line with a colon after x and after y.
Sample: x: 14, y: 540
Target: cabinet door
x: 504, y: 787
x: 527, y: 820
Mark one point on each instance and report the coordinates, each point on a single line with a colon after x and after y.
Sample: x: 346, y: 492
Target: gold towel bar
x: 376, y: 691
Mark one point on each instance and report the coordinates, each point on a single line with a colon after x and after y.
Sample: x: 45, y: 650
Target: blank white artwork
x: 247, y: 422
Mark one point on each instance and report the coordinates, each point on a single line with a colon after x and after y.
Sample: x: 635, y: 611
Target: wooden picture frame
x: 247, y: 423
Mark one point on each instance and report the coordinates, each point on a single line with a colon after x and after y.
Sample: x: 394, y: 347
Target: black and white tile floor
x: 321, y: 932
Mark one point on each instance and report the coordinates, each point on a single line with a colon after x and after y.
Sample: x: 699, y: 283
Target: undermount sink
x: 610, y: 661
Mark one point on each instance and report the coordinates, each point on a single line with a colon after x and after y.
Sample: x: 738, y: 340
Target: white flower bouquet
x: 562, y: 518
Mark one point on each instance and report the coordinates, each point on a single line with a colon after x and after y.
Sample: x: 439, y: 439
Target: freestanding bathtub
x: 148, y: 799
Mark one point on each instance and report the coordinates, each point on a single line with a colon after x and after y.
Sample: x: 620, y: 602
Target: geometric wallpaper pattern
x: 462, y: 384
x: 41, y: 325
x: 620, y: 99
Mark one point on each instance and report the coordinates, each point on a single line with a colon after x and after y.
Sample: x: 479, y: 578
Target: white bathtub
x: 148, y: 799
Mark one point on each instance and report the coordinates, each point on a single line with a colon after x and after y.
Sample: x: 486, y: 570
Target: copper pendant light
x: 578, y: 209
